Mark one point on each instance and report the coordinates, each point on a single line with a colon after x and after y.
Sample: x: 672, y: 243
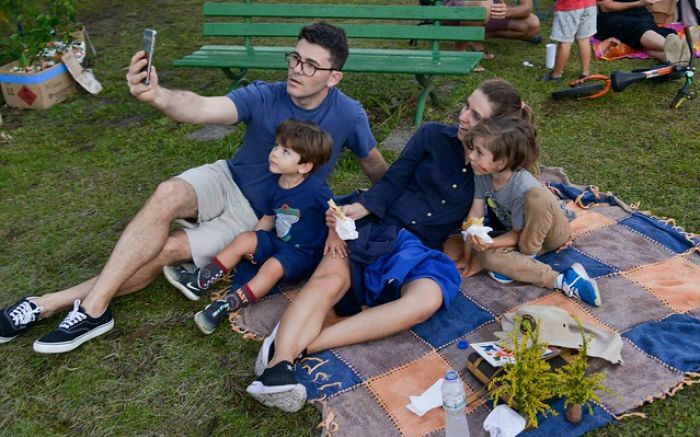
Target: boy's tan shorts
x: 223, y: 211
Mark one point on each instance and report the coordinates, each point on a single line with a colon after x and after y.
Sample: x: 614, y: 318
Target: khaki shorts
x: 223, y: 211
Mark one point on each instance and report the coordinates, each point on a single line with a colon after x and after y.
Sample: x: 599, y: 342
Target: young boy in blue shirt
x: 288, y: 241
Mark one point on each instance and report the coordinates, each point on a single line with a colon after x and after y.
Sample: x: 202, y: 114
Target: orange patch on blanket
x: 588, y: 221
x: 675, y: 281
x: 393, y: 390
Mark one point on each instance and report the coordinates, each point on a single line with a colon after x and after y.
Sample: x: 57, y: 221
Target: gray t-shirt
x: 508, y: 204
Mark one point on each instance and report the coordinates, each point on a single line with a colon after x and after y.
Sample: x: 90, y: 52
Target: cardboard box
x: 36, y: 90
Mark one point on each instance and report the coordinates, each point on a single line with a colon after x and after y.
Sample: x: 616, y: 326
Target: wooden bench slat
x: 368, y: 31
x: 352, y: 12
x: 367, y: 60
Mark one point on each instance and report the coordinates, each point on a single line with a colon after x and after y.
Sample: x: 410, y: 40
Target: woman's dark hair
x: 509, y: 138
x: 329, y: 37
x: 506, y: 100
x: 307, y: 139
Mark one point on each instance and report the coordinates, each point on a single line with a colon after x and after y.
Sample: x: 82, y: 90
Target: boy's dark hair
x: 509, y: 138
x: 331, y: 38
x: 307, y: 139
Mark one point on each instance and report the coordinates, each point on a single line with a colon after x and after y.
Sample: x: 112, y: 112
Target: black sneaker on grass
x: 209, y: 319
x: 77, y: 328
x: 15, y: 319
x: 184, y: 280
x: 278, y: 387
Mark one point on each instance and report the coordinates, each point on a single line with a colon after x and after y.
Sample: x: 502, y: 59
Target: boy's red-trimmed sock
x: 211, y: 273
x: 240, y: 298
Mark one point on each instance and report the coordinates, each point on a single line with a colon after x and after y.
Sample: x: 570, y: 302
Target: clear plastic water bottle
x: 453, y: 402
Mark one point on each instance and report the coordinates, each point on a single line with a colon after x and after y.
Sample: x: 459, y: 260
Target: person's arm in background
x: 374, y: 165
x: 521, y: 11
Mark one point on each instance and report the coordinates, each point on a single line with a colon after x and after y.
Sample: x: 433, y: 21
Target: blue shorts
x: 380, y: 279
x: 297, y: 263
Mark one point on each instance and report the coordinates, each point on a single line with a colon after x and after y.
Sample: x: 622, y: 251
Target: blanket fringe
x: 235, y: 327
x: 327, y: 425
x: 623, y: 416
x: 691, y: 378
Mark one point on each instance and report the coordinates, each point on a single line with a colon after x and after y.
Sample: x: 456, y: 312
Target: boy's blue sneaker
x: 498, y: 277
x: 210, y: 317
x: 184, y: 280
x: 576, y: 283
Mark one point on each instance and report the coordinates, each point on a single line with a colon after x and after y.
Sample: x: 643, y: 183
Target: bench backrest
x: 403, y: 19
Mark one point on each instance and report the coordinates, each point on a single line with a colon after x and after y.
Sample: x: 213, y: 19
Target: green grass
x: 74, y: 175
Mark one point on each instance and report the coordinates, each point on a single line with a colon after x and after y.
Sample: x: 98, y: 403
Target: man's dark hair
x: 329, y: 37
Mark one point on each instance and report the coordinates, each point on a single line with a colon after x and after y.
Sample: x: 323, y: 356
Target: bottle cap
x: 462, y: 344
x: 451, y: 375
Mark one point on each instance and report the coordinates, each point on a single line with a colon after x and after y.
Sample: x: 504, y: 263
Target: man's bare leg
x: 141, y: 242
x: 175, y: 249
x: 524, y: 29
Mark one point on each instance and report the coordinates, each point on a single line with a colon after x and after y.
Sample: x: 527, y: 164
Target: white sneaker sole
x: 6, y: 339
x: 288, y: 398
x: 262, y: 360
x: 57, y: 348
x: 170, y: 274
x: 202, y: 324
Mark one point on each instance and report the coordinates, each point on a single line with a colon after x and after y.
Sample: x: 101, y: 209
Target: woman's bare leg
x: 419, y: 300
x: 303, y: 319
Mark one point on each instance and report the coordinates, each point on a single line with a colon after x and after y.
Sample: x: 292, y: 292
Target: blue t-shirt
x: 262, y: 106
x: 300, y: 212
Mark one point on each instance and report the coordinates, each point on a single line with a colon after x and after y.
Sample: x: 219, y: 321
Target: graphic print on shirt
x: 285, y: 217
x: 500, y: 212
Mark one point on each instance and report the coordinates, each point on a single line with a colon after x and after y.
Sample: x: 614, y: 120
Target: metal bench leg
x: 238, y: 78
x: 428, y: 89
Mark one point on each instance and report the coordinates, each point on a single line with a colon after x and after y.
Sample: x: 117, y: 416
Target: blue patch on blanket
x: 658, y: 231
x: 674, y: 340
x: 323, y: 374
x: 562, y: 260
x: 447, y: 325
x: 558, y: 426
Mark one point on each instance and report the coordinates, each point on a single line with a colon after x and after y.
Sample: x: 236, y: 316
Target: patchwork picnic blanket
x: 648, y: 272
x: 612, y: 48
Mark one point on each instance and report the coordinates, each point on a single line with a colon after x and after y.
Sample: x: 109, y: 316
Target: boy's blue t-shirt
x: 262, y: 106
x: 300, y: 212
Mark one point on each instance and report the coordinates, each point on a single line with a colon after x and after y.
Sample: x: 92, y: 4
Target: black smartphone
x: 149, y: 44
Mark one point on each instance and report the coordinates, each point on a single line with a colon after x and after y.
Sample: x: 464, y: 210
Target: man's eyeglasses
x: 307, y: 69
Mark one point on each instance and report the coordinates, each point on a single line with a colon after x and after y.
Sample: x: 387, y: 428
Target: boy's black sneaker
x: 208, y: 319
x: 184, y: 280
x: 77, y: 328
x: 15, y: 319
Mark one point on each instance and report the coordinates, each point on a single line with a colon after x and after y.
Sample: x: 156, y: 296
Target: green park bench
x: 275, y: 20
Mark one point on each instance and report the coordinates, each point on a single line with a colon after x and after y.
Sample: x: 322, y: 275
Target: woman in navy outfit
x: 395, y: 269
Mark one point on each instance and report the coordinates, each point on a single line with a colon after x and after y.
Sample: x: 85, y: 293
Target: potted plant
x: 528, y: 383
x: 36, y: 24
x: 576, y: 387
